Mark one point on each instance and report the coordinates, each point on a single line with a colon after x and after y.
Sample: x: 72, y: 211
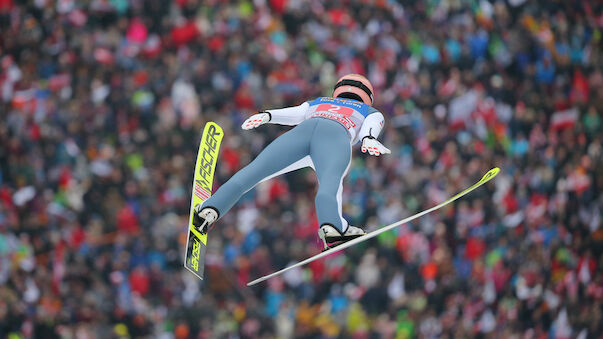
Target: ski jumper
x: 323, y: 138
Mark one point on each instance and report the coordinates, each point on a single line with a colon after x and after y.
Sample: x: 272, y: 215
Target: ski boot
x: 204, y: 217
x: 332, y: 237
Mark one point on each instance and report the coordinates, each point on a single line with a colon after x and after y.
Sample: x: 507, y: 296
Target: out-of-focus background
x: 101, y: 107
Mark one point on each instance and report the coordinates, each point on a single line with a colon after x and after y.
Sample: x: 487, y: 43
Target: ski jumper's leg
x: 284, y: 151
x: 331, y: 153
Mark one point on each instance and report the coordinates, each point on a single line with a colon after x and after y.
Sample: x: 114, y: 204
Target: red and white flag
x: 564, y: 119
x: 59, y: 81
x: 103, y: 56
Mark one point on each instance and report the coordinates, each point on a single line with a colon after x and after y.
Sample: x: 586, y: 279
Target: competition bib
x: 349, y: 113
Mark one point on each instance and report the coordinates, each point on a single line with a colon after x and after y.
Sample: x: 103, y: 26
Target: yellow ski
x: 196, y: 243
x: 489, y: 175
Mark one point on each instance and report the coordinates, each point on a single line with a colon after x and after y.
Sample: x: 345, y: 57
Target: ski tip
x: 251, y: 283
x: 490, y: 174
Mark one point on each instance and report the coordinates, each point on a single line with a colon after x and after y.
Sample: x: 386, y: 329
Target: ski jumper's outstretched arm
x: 290, y: 116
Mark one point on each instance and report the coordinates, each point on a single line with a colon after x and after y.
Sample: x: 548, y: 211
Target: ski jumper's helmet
x: 354, y: 86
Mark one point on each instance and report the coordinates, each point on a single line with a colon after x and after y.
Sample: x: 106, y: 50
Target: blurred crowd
x: 101, y: 107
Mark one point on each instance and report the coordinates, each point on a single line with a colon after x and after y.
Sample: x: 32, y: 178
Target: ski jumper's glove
x: 373, y: 146
x: 256, y: 120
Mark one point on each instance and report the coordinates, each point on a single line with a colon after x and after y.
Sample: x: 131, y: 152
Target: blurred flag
x: 59, y: 81
x: 564, y: 119
x: 104, y: 56
x: 25, y: 100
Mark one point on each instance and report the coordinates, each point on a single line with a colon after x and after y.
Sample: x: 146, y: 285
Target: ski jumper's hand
x: 373, y: 147
x: 256, y: 120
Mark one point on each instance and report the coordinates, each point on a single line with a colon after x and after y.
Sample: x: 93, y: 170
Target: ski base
x: 332, y: 249
x: 196, y: 242
x: 196, y: 247
x: 338, y: 243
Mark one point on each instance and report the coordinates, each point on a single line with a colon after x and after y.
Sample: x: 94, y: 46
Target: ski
x: 487, y: 177
x: 196, y: 243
